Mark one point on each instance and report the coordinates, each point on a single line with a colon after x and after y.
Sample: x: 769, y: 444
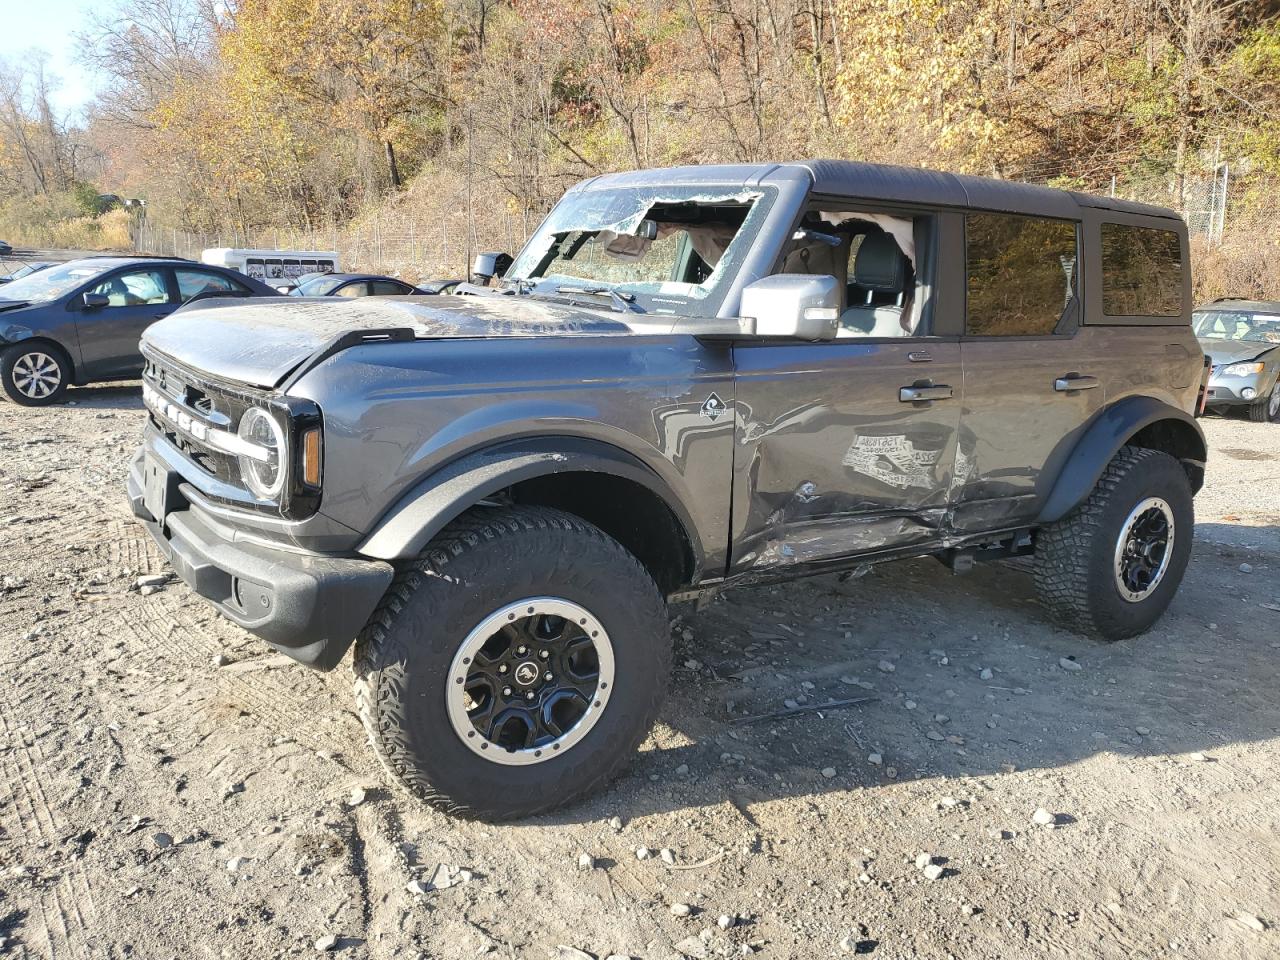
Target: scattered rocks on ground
x: 668, y: 856
x: 643, y: 853
x: 1246, y: 568
x: 985, y: 674
x: 884, y: 666
x: 327, y: 943
x: 586, y: 861
x: 1066, y: 663
x: 681, y: 910
x: 1043, y: 818
x: 829, y: 772
x: 162, y: 840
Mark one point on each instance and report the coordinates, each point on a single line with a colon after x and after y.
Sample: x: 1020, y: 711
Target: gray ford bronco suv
x: 688, y: 379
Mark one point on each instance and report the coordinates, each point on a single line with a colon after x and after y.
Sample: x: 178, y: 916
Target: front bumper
x: 308, y: 606
x: 1229, y: 391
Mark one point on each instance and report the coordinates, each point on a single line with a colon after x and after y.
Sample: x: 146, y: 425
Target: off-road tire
x: 1075, y: 557
x: 486, y: 559
x: 1260, y: 411
x: 10, y: 358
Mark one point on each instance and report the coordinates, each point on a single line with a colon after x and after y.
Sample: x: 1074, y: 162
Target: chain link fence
x: 1224, y: 206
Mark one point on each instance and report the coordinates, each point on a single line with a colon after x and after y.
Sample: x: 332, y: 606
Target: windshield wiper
x: 622, y: 302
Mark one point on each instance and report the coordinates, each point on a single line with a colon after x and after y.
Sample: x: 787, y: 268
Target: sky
x: 50, y: 25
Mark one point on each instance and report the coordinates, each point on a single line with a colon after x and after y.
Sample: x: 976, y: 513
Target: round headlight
x: 263, y: 476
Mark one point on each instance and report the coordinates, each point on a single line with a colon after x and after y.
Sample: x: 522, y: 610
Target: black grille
x: 217, y: 404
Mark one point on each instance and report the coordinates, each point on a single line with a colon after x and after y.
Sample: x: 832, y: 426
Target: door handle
x: 1072, y: 382
x: 915, y: 394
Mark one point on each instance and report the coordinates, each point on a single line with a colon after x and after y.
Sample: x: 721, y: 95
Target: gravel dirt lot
x: 173, y: 789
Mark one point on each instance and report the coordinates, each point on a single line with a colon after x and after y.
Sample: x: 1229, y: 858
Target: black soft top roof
x: 849, y: 178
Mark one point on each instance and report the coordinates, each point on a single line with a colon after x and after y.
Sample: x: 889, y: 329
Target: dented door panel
x: 829, y: 459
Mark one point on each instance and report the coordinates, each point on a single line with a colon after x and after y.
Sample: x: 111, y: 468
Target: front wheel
x: 515, y: 665
x: 34, y: 374
x: 1111, y: 567
x: 1266, y: 409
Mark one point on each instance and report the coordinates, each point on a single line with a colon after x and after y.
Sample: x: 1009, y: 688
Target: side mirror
x: 96, y: 301
x: 489, y: 265
x: 796, y: 305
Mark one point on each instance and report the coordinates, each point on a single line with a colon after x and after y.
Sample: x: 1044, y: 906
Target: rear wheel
x: 515, y: 666
x: 1111, y: 567
x: 1266, y: 409
x: 34, y: 374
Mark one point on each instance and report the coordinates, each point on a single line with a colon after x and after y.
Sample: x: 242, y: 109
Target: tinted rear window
x: 1021, y: 274
x: 1141, y: 271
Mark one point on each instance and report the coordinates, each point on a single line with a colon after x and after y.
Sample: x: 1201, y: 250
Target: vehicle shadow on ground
x: 113, y: 396
x: 1196, y: 682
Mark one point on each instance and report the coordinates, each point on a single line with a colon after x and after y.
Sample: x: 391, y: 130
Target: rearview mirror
x: 96, y: 301
x: 796, y: 305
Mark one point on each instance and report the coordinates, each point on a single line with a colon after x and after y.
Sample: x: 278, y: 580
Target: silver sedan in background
x: 1242, y: 340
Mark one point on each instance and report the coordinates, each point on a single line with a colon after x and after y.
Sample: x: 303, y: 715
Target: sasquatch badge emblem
x: 712, y: 407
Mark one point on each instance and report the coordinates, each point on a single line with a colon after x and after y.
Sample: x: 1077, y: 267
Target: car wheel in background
x: 515, y: 665
x: 1266, y: 409
x: 1111, y: 567
x: 35, y: 374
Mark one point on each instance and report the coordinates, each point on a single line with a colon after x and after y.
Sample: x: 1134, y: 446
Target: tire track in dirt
x: 57, y: 908
x: 283, y: 699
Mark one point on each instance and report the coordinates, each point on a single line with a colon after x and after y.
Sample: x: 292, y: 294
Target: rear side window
x: 387, y: 288
x: 200, y: 283
x: 1021, y: 274
x: 1141, y: 271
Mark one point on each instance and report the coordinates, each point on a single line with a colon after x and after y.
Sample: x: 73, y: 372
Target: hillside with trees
x: 457, y: 123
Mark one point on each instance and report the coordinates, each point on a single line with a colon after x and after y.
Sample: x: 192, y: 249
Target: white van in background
x: 273, y: 267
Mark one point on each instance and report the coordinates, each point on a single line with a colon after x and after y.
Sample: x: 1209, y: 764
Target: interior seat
x: 877, y: 290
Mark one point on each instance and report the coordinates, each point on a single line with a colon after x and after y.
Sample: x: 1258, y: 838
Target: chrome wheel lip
x: 1126, y: 535
x: 455, y: 700
x: 36, y: 375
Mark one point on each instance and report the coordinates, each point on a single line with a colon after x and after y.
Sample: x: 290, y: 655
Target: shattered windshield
x: 668, y: 250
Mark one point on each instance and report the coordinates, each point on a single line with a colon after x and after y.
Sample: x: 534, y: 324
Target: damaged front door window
x: 666, y: 252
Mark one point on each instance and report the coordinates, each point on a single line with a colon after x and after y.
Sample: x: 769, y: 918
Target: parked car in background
x: 272, y: 265
x: 1242, y: 340
x: 80, y: 322
x: 26, y: 270
x: 355, y: 285
x: 5, y: 249
x: 439, y: 286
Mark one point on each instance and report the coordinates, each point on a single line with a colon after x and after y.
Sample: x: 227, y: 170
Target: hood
x: 1233, y: 351
x: 260, y: 342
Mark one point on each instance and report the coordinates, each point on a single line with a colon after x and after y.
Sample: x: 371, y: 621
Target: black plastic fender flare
x: 454, y: 488
x: 1104, y: 437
